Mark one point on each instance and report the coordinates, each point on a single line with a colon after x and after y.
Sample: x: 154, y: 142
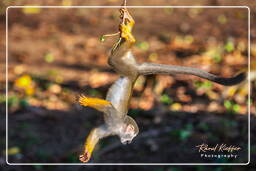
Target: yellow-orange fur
x: 96, y: 103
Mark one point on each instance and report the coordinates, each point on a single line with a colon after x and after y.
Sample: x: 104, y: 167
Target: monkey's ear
x: 130, y: 120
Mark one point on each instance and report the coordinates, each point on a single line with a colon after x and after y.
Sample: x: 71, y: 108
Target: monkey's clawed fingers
x: 84, y: 157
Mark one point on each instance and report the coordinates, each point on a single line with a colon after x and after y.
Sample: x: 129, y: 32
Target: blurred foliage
x: 102, y: 38
x: 215, y: 53
x: 2, y: 98
x: 182, y: 41
x: 153, y: 57
x: 202, y: 84
x: 26, y: 84
x: 166, y: 99
x: 135, y: 112
x: 143, y: 45
x: 168, y: 10
x: 13, y: 151
x: 229, y: 46
x: 222, y: 19
x: 231, y: 106
x: 49, y: 58
x: 183, y: 134
x: 32, y: 10
x: 67, y: 2
x: 193, y: 12
x: 176, y: 107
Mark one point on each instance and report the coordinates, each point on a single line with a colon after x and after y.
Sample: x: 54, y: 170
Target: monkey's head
x: 128, y: 131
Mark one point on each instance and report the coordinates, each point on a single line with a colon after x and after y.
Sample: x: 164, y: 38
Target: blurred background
x: 55, y: 55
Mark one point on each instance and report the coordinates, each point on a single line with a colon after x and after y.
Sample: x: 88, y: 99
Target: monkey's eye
x: 129, y: 128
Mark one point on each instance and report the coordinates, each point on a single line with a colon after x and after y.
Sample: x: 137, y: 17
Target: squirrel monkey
x: 115, y: 107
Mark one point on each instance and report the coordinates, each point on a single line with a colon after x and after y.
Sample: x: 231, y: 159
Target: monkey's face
x: 128, y: 131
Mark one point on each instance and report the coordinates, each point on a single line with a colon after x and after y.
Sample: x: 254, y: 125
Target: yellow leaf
x: 32, y: 10
x: 66, y: 2
x: 59, y: 79
x: 231, y: 91
x: 30, y: 91
x: 13, y: 150
x: 153, y: 57
x: 175, y: 106
x: 243, y: 91
x: 23, y: 81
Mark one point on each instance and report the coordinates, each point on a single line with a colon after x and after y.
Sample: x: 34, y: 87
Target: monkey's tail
x: 150, y: 68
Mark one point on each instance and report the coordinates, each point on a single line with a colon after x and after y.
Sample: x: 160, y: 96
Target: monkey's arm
x: 149, y: 68
x: 95, y: 135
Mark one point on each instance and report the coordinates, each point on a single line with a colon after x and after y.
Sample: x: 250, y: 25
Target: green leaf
x: 102, y: 39
x: 229, y: 47
x: 207, y: 84
x: 24, y: 103
x: 166, y: 99
x: 236, y: 108
x: 2, y: 98
x: 228, y: 104
x: 197, y: 84
x: 143, y: 45
x: 189, y: 127
x: 49, y: 58
x: 13, y: 100
x: 222, y: 19
x: 184, y: 134
x: 217, y: 58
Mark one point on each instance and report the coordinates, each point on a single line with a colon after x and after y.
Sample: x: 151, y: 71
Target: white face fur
x: 127, y: 133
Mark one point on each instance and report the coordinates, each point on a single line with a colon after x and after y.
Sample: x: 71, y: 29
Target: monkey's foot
x: 84, y: 157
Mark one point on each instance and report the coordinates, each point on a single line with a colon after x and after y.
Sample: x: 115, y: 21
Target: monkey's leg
x: 95, y: 135
x: 149, y: 68
x: 96, y: 103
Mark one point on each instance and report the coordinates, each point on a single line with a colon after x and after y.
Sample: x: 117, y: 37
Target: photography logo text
x: 218, y: 151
